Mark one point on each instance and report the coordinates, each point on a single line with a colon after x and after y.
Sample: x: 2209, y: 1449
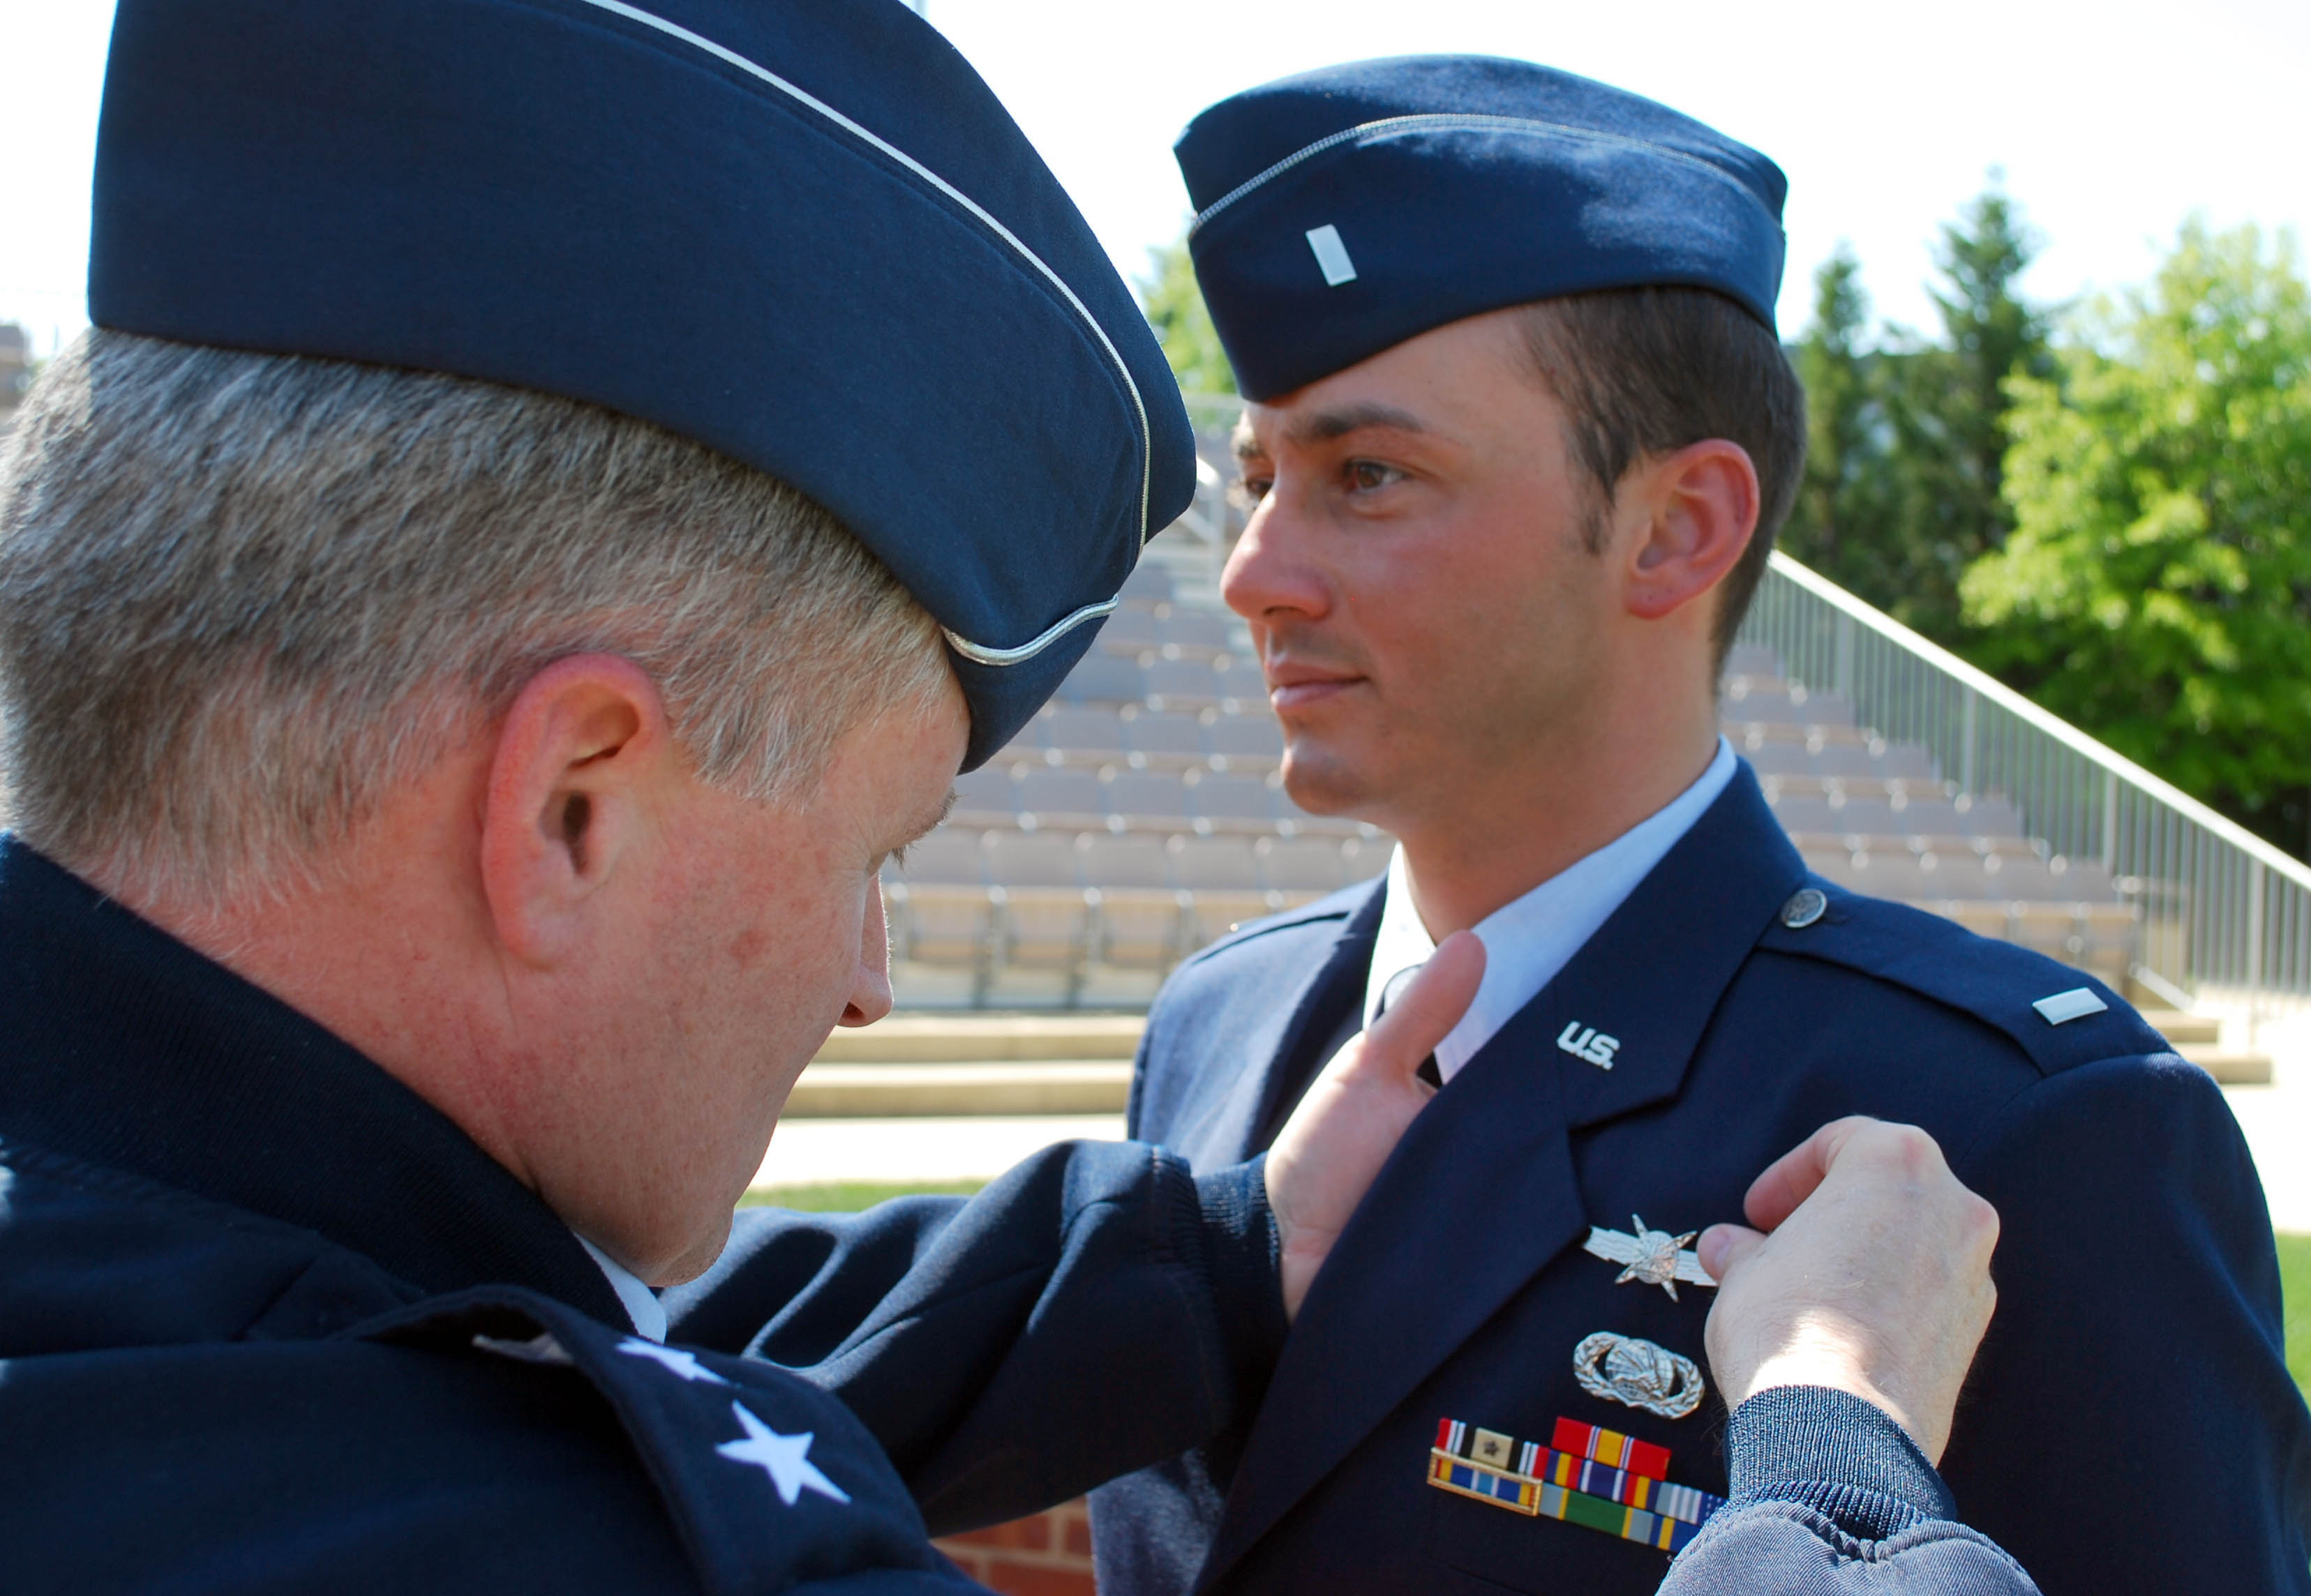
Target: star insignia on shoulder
x: 674, y: 1359
x: 1655, y: 1257
x: 786, y: 1459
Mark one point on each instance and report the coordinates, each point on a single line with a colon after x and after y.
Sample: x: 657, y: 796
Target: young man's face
x: 1418, y: 574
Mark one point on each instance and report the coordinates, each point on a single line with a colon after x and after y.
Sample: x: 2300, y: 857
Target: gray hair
x: 243, y: 596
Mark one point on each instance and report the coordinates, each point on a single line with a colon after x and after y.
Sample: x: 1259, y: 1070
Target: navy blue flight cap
x: 804, y: 234
x: 1344, y: 211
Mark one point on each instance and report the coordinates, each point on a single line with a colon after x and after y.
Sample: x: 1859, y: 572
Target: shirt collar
x: 1529, y: 940
x: 641, y: 1303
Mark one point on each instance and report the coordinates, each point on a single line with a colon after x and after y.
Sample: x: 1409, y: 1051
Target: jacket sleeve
x: 2130, y: 1423
x: 1095, y: 1310
x: 1830, y: 1498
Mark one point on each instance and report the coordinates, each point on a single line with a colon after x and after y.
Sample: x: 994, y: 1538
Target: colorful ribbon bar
x: 1630, y: 1524
x: 1680, y: 1502
x: 1538, y: 1499
x: 1612, y: 1448
x: 1486, y: 1485
x: 1560, y: 1483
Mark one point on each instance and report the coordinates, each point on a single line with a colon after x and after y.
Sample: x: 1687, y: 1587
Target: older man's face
x: 757, y: 930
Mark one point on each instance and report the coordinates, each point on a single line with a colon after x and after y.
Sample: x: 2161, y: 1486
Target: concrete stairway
x: 962, y: 1065
x: 917, y: 1065
x: 2200, y: 1040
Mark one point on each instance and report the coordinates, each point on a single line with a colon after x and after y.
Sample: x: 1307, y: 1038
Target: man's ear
x: 582, y: 756
x: 1701, y: 505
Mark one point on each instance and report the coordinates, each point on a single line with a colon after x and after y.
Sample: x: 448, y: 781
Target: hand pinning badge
x: 1655, y: 1257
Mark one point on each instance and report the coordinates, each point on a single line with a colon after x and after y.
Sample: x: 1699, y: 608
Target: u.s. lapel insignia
x: 1637, y: 1373
x: 1655, y: 1257
x: 1584, y: 1043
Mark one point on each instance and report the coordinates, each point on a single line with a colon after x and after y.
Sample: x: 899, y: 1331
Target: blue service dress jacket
x: 2130, y: 1425
x: 270, y: 1322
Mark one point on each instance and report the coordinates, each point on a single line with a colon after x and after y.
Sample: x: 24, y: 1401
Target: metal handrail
x: 2223, y: 917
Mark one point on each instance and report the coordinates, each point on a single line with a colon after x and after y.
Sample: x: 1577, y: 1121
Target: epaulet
x: 2061, y: 1017
x: 1337, y: 905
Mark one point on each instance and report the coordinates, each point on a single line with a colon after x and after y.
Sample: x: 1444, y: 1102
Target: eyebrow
x: 1326, y: 425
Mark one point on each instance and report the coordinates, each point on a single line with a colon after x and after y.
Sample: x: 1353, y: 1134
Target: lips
x: 1292, y: 685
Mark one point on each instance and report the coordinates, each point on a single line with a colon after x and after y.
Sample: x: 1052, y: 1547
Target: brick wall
x: 1047, y: 1555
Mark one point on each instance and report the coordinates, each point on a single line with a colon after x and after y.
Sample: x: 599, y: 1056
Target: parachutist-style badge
x: 1653, y: 1256
x: 1637, y: 1373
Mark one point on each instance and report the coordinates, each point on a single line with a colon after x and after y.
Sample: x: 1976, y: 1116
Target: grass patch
x: 2295, y: 1280
x: 849, y: 1196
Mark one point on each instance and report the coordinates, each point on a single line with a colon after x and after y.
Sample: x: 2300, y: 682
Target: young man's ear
x: 1703, y: 504
x: 582, y: 758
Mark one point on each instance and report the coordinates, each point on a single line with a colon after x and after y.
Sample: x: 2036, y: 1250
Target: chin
x: 699, y: 1255
x: 1319, y: 780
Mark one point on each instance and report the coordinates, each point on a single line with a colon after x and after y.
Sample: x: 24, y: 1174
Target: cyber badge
x: 1653, y: 1256
x: 1637, y: 1373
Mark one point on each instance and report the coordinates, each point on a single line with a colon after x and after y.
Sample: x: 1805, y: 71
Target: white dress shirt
x: 1529, y: 940
x: 640, y: 1302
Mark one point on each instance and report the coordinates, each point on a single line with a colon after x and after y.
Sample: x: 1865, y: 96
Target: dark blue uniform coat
x: 268, y: 1322
x: 2130, y: 1425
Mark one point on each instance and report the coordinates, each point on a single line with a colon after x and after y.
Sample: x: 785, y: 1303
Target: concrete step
x: 913, y: 1091
x: 916, y: 1038
x: 2183, y: 1030
x: 2229, y: 1065
x: 927, y: 1065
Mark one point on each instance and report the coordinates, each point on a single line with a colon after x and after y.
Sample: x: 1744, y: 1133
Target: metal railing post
x: 1966, y: 757
x: 2254, y: 890
x: 2181, y: 865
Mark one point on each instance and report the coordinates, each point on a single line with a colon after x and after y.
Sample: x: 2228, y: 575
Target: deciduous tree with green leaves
x: 2156, y: 588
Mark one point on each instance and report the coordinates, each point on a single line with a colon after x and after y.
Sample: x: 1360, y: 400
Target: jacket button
x: 1806, y: 906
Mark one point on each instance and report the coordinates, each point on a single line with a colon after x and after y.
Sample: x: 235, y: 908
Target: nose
x: 870, y: 983
x: 1270, y: 576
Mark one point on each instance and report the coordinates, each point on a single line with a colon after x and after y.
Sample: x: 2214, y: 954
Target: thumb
x: 1425, y: 1014
x: 1727, y: 1247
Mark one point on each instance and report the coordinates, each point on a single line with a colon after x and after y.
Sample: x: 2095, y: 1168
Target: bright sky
x: 2113, y: 122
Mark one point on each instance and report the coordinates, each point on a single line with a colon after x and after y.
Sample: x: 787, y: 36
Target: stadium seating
x: 1142, y: 814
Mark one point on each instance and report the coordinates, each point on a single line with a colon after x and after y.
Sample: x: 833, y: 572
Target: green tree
x: 1946, y: 407
x: 1906, y: 433
x: 2156, y: 589
x: 1175, y: 307
x: 1835, y: 521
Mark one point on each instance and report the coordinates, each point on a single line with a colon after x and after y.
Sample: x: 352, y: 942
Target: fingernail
x: 1715, y: 1244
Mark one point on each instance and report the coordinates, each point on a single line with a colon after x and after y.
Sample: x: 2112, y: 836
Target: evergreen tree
x: 1946, y: 407
x: 1831, y: 527
x: 1906, y: 434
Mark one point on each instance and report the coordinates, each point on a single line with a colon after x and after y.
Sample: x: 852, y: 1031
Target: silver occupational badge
x: 1637, y: 1373
x: 1653, y: 1256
